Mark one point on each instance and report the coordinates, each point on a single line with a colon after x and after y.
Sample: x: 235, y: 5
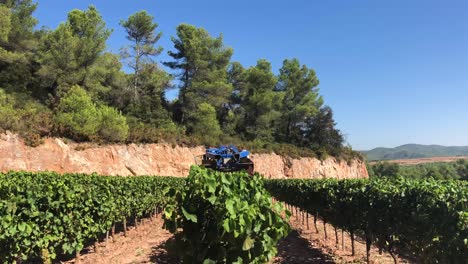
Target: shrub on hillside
x: 113, y: 127
x: 140, y: 132
x: 30, y: 119
x: 8, y: 115
x: 205, y: 127
x: 77, y: 116
x: 224, y: 218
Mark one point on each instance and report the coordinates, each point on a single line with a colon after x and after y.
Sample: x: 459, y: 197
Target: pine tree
x: 232, y: 112
x: 260, y: 102
x: 141, y: 31
x: 149, y: 81
x: 151, y: 105
x: 300, y: 101
x: 202, y: 63
x: 205, y: 125
x: 68, y: 53
x: 18, y: 41
x: 321, y: 133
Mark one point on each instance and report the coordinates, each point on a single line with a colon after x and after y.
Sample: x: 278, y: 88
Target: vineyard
x: 229, y: 217
x: 45, y: 214
x: 225, y: 218
x: 424, y: 220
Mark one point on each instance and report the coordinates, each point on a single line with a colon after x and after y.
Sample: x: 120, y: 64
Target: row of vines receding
x: 229, y: 217
x: 43, y: 215
x: 424, y: 220
x: 224, y: 218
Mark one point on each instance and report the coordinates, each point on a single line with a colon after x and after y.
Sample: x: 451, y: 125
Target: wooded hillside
x: 64, y: 82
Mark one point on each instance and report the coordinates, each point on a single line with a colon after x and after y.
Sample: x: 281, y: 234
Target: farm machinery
x: 227, y: 159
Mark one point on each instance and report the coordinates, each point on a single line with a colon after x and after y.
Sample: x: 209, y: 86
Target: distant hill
x: 414, y: 151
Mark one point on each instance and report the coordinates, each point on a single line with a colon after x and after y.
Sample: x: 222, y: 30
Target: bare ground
x: 330, y: 247
x: 145, y: 245
x: 424, y: 160
x: 303, y: 245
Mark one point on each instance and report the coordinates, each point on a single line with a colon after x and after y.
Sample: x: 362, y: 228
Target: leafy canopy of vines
x: 224, y: 218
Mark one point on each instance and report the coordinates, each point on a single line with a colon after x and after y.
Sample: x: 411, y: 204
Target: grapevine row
x: 219, y: 217
x: 45, y: 214
x: 426, y: 220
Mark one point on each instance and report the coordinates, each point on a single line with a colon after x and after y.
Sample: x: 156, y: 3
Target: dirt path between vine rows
x: 147, y: 245
x: 330, y: 247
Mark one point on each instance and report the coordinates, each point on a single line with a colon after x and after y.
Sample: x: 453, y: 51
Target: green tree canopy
x: 79, y: 118
x: 113, y: 126
x: 68, y: 53
x: 150, y: 108
x: 5, y: 23
x: 148, y: 82
x: 202, y: 62
x: 300, y: 101
x: 320, y: 132
x: 22, y: 23
x: 141, y: 31
x: 260, y: 102
x: 106, y: 81
x: 17, y: 44
x: 206, y: 126
x: 77, y: 115
x: 63, y: 82
x: 385, y: 169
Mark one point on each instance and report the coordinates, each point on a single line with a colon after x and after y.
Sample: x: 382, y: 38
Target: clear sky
x: 394, y: 72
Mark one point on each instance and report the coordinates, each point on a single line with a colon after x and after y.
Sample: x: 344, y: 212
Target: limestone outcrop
x: 153, y: 159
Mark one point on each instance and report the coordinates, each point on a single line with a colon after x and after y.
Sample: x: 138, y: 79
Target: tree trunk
x: 125, y: 226
x: 368, y: 246
x: 307, y: 220
x: 315, y: 222
x: 325, y: 228
x: 77, y: 257
x: 96, y: 246
x: 351, y: 233
x: 336, y: 238
x: 394, y: 256
x: 137, y: 71
x: 113, y: 232
x: 342, y: 239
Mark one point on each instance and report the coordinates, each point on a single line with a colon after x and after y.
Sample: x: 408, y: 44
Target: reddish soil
x: 303, y: 245
x: 329, y: 247
x: 424, y: 160
x: 144, y: 245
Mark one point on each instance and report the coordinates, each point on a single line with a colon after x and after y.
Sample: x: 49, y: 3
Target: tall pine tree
x: 141, y: 31
x: 18, y: 42
x: 202, y: 63
x: 68, y: 53
x: 260, y: 102
x: 148, y: 81
x: 321, y: 133
x: 300, y: 101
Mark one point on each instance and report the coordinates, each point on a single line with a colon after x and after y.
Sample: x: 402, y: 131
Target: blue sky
x: 394, y: 72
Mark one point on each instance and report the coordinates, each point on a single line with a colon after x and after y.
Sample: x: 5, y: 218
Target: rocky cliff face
x: 152, y: 159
